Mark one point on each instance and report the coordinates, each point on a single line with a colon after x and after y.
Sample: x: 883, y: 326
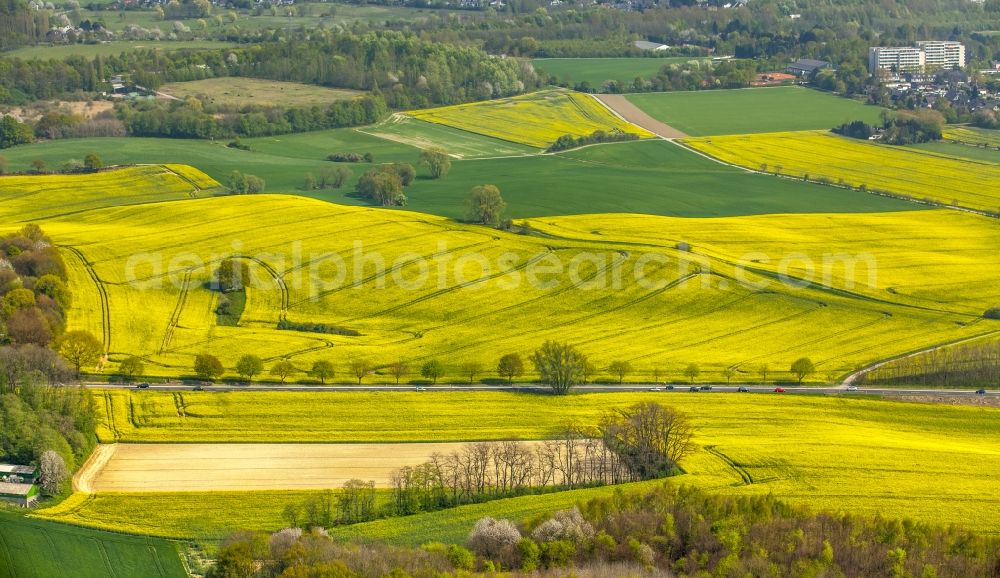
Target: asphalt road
x: 715, y: 388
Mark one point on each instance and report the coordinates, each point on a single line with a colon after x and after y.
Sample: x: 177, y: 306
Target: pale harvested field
x: 220, y: 467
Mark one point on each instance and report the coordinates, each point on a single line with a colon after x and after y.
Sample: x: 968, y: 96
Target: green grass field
x: 200, y: 515
x: 32, y: 548
x: 211, y: 516
x: 832, y: 453
x: 598, y: 70
x: 458, y: 143
x: 650, y: 177
x: 282, y: 161
x: 783, y: 108
x: 954, y: 149
x: 452, y: 526
x: 536, y: 119
x: 646, y: 177
x: 239, y: 91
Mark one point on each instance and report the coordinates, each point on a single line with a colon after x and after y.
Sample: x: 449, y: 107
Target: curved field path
x: 635, y: 115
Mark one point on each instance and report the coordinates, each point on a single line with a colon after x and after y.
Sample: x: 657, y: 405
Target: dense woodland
x: 445, y: 58
x: 681, y: 531
x: 36, y: 417
x: 450, y: 58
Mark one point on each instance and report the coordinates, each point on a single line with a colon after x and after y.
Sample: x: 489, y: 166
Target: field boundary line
x: 744, y: 475
x: 886, y: 194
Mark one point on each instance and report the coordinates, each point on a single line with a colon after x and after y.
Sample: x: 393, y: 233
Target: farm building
x: 806, y: 66
x: 17, y: 484
x: 24, y: 495
x: 25, y: 473
x: 646, y: 45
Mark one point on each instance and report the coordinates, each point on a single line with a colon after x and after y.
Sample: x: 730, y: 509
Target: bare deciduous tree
x: 649, y: 438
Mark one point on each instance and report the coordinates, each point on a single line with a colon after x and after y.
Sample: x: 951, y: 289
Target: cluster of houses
x: 956, y: 87
x: 19, y: 484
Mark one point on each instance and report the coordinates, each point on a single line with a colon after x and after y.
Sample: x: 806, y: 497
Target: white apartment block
x: 942, y: 54
x: 925, y: 56
x: 899, y: 58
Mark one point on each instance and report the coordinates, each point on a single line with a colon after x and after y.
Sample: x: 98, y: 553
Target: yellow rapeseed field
x: 839, y: 454
x: 825, y: 157
x: 535, y: 119
x: 392, y: 285
x: 933, y: 259
x: 25, y: 198
x: 696, y: 311
x: 972, y: 136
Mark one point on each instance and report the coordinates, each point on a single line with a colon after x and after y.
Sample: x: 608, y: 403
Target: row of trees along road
x: 558, y: 365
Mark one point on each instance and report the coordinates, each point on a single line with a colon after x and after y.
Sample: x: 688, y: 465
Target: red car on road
x: 779, y: 390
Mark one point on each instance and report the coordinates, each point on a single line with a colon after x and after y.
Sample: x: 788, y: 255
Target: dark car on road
x: 693, y: 389
x: 744, y: 389
x: 981, y: 392
x: 706, y: 388
x: 143, y: 386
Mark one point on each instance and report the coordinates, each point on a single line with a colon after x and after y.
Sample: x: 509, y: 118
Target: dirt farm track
x: 205, y: 467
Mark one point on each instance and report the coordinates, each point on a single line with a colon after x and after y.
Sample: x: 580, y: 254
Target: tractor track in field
x: 179, y: 404
x: 278, y: 280
x: 599, y: 313
x: 881, y: 319
x: 186, y: 179
x: 885, y: 342
x: 740, y: 470
x: 742, y: 331
x: 395, y: 267
x: 175, y: 316
x: 291, y: 354
x: 621, y: 258
x: 458, y: 286
x: 102, y: 291
x: 110, y: 409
